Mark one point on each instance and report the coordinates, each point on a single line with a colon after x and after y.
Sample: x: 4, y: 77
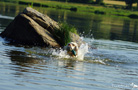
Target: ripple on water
x: 43, y: 68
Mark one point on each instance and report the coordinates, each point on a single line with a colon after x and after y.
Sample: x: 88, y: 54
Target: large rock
x: 33, y: 28
x: 41, y: 19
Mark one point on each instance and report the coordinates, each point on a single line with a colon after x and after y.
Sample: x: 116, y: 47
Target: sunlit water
x: 102, y: 64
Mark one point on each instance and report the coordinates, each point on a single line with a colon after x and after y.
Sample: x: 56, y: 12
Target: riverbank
x: 113, y: 10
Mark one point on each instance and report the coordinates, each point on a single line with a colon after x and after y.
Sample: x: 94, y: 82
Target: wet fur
x: 72, y: 46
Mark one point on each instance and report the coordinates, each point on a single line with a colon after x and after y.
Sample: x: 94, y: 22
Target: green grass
x: 88, y: 8
x: 78, y: 7
x: 63, y: 33
x: 83, y: 8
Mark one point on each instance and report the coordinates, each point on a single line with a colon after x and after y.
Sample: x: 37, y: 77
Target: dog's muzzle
x: 69, y: 49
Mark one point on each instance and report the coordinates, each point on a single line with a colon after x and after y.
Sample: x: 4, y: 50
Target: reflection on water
x: 104, y: 27
x: 129, y: 31
x: 20, y: 58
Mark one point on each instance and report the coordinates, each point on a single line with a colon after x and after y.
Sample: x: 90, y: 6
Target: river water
x: 110, y: 63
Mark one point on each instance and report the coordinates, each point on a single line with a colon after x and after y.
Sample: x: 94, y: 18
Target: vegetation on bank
x: 115, y: 10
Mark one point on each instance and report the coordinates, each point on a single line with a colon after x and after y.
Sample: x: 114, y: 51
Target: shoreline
x: 111, y: 10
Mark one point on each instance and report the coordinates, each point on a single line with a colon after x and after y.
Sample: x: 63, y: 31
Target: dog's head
x: 72, y: 48
x: 72, y: 45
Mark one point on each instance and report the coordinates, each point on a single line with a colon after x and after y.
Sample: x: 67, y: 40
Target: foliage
x: 129, y: 3
x: 133, y: 16
x: 114, y: 10
x: 99, y: 1
x: 81, y: 1
x: 31, y: 5
x: 99, y: 12
x: 63, y: 33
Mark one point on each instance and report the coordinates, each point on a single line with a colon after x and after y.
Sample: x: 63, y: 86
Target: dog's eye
x: 68, y: 44
x: 73, y: 45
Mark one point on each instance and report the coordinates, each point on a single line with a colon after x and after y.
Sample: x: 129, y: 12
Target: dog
x: 72, y: 49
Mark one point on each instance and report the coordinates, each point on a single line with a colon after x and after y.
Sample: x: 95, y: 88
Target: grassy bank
x: 116, y: 10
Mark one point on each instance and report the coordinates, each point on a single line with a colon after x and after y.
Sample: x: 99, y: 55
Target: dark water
x: 112, y: 66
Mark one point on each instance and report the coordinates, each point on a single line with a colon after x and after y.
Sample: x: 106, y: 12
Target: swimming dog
x: 72, y: 49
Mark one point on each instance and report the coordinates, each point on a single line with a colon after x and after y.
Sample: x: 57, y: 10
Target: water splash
x: 58, y: 53
x: 134, y: 85
x: 86, y: 53
x: 83, y: 49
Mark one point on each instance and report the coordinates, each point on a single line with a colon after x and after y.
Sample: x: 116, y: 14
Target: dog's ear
x: 76, y: 48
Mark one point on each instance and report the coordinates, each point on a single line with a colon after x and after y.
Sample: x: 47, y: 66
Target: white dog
x: 72, y: 49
